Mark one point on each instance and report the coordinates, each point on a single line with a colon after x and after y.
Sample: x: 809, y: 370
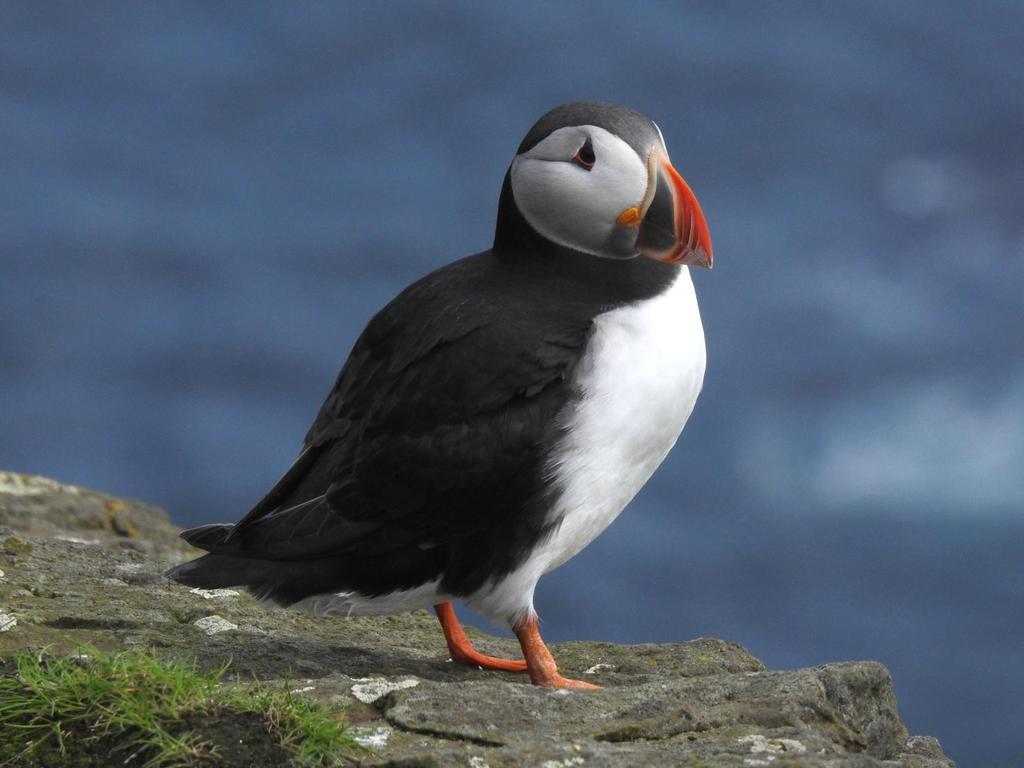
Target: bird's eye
x: 584, y: 156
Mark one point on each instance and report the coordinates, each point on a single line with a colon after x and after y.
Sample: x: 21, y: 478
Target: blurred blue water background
x: 203, y: 204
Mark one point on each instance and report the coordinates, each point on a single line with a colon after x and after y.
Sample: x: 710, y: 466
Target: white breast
x: 639, y: 379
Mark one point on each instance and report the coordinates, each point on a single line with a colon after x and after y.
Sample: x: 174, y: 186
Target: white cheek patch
x: 570, y: 205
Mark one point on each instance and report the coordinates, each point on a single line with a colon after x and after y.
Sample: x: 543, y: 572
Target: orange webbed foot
x: 539, y: 661
x: 482, y: 660
x: 565, y: 682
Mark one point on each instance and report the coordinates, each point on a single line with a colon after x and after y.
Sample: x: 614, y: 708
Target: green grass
x: 154, y: 713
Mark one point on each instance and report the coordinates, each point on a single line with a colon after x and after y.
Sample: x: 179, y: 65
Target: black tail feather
x: 287, y: 581
x: 260, y: 577
x: 208, y: 537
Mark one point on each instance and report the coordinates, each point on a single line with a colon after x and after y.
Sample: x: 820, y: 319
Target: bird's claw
x: 558, y: 681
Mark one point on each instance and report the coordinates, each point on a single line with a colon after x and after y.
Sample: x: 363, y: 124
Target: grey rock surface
x: 81, y: 567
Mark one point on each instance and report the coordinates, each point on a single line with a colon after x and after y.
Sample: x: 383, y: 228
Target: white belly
x: 354, y: 604
x: 639, y: 380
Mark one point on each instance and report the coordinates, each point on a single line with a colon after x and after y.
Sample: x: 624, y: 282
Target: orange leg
x: 539, y: 661
x: 462, y: 650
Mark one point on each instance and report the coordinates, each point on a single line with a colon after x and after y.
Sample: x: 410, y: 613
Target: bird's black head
x: 596, y: 178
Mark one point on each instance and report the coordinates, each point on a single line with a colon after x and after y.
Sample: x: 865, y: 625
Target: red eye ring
x: 585, y: 157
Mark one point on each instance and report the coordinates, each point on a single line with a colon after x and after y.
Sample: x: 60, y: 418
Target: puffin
x: 499, y: 413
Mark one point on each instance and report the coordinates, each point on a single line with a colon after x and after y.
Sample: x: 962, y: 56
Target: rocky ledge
x: 79, y: 567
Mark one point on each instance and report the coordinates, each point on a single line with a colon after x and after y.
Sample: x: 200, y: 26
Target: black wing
x: 435, y: 426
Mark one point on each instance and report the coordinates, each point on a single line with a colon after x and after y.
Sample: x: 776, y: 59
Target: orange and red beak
x: 672, y: 226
